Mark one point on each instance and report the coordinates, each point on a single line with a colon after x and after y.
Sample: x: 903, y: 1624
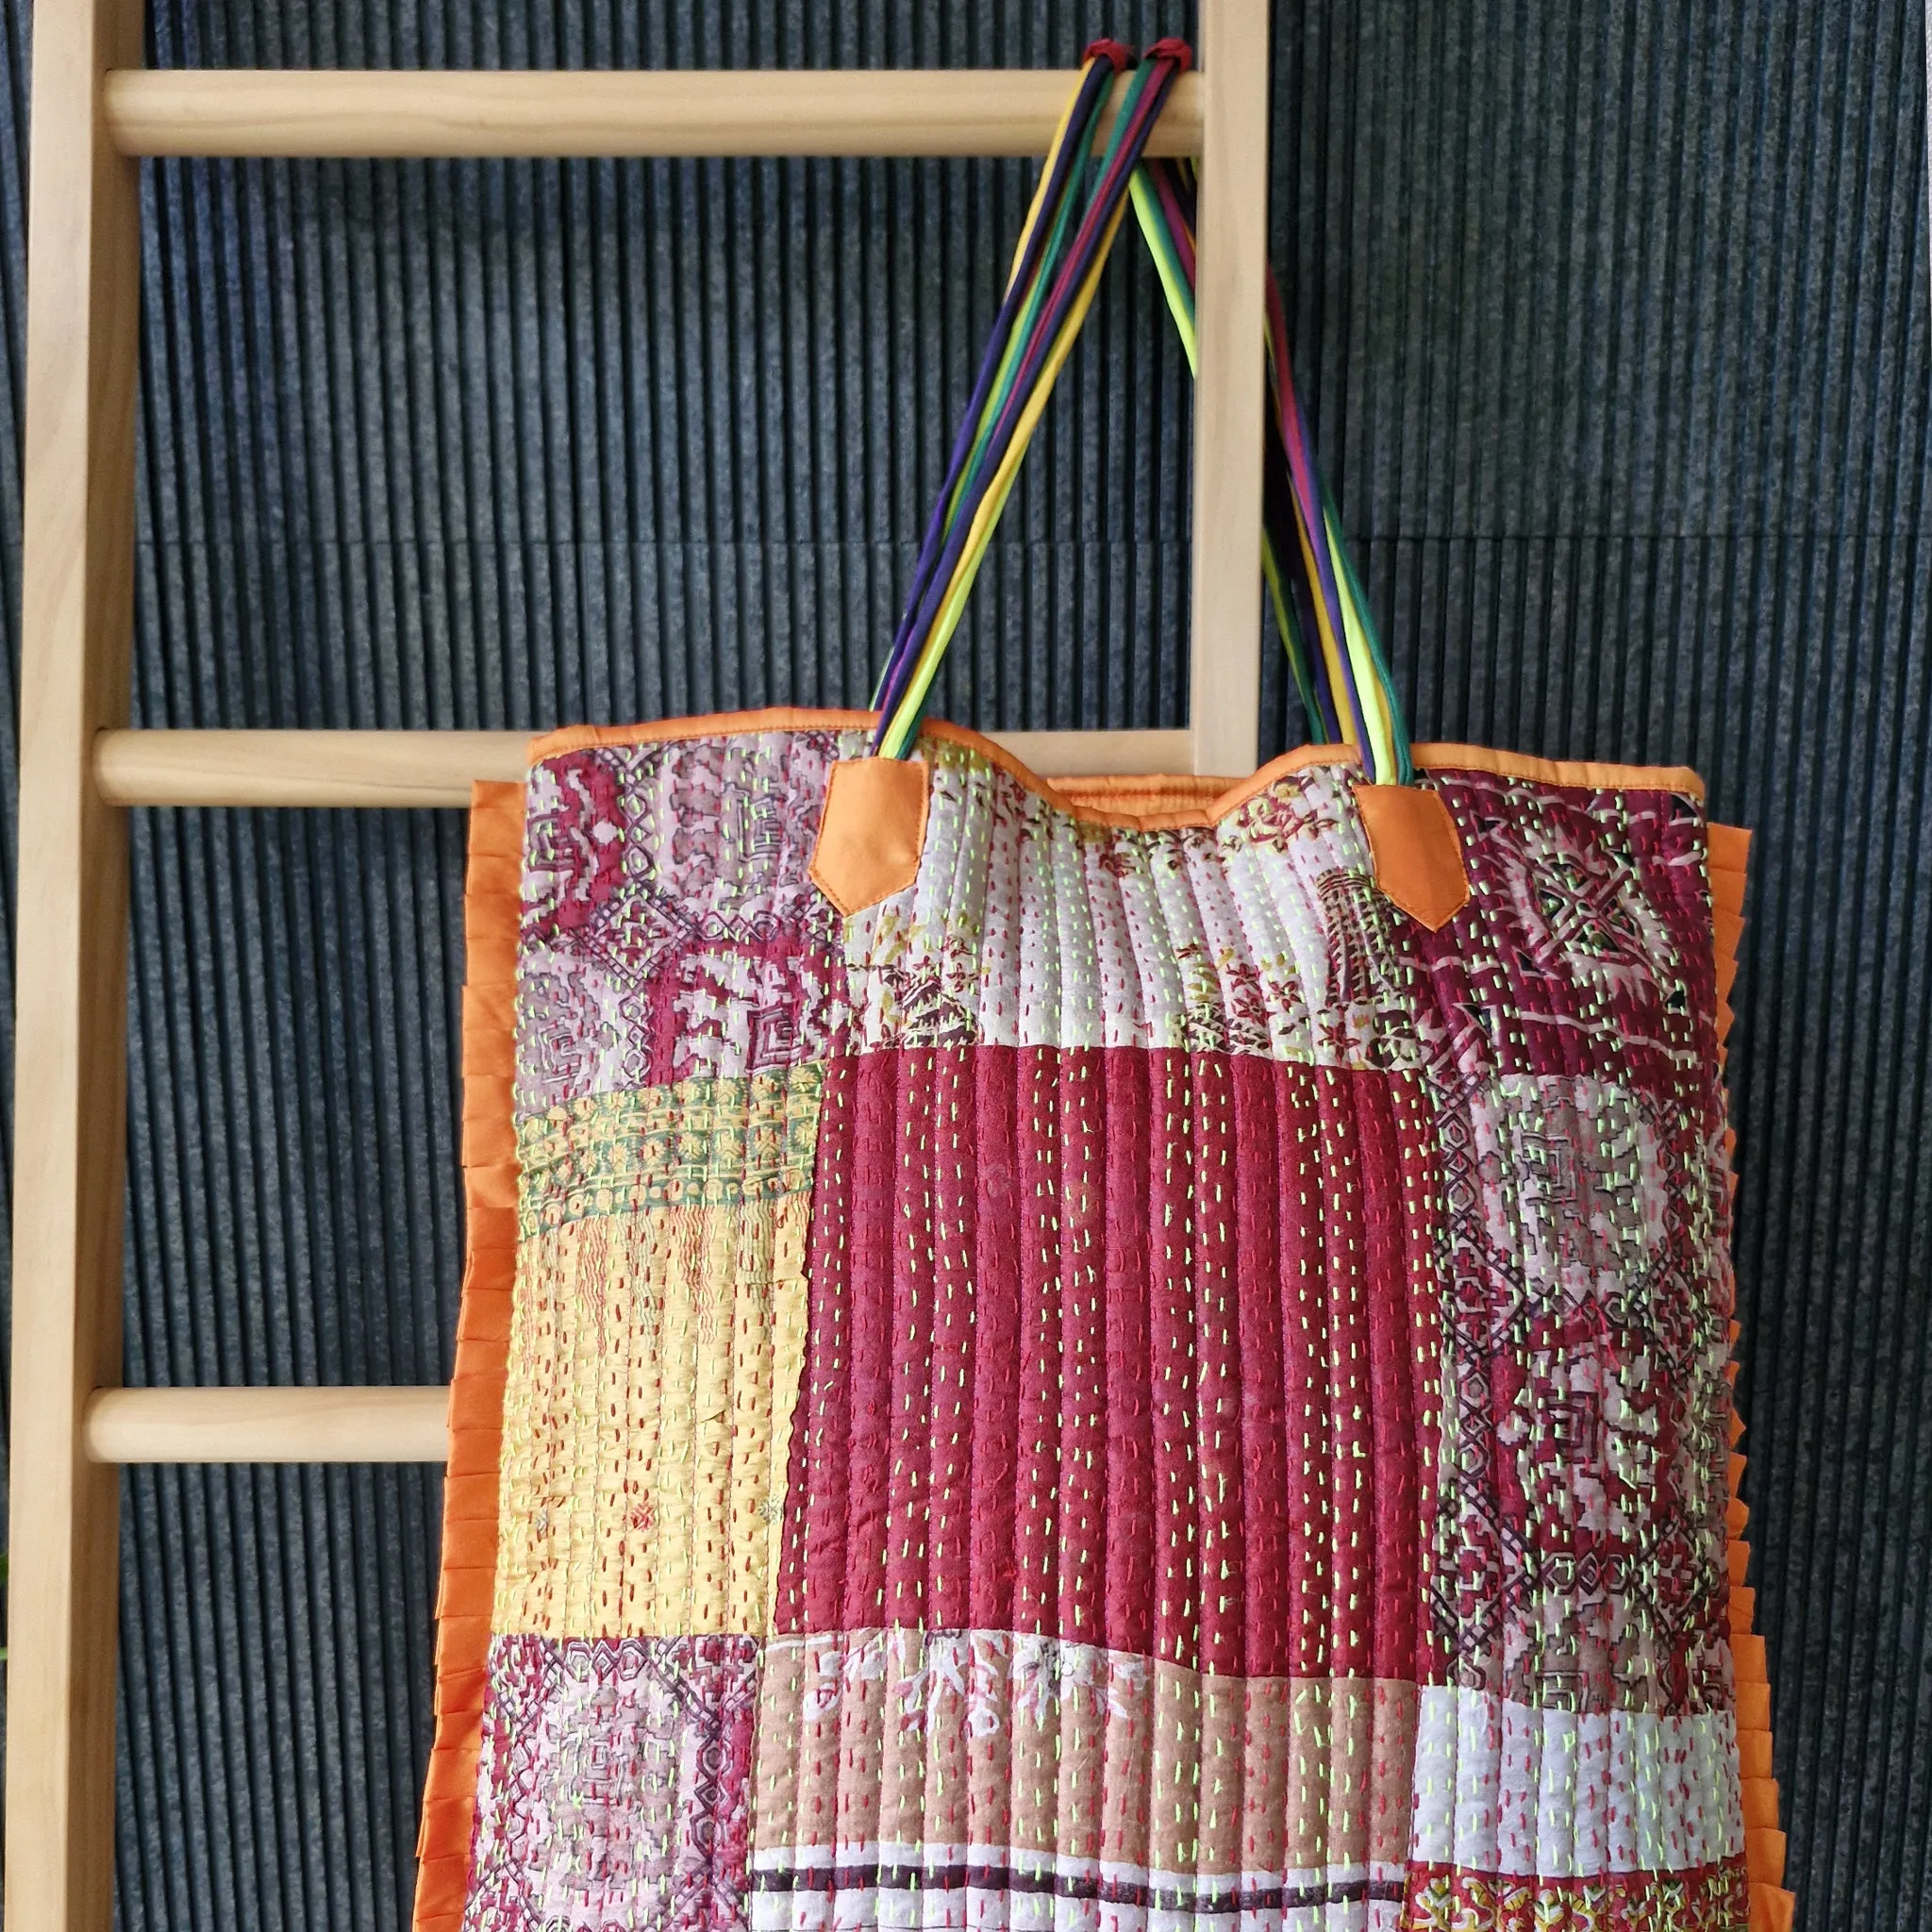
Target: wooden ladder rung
x: 437, y: 768
x: 267, y: 1426
x: 270, y: 111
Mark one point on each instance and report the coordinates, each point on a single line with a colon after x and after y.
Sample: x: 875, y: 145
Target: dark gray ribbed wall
x: 1615, y: 321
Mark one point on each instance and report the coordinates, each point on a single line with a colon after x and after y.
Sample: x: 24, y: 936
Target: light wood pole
x: 71, y: 1038
x: 1230, y: 295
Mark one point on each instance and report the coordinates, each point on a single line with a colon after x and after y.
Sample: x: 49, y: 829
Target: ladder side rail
x: 1230, y: 389
x: 70, y: 1143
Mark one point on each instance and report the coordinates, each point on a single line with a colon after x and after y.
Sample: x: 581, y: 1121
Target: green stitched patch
x: 692, y: 1143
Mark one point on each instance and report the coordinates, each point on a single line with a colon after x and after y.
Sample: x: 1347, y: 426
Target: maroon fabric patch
x: 1131, y: 1348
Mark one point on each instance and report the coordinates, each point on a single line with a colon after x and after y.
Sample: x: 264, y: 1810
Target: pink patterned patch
x: 670, y: 928
x: 614, y: 1785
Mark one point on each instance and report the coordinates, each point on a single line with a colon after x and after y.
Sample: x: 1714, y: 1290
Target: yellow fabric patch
x: 653, y: 1370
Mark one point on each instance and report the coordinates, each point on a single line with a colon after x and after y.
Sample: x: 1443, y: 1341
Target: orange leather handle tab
x: 872, y: 832
x: 1417, y: 853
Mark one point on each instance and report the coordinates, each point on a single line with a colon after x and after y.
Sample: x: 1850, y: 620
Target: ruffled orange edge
x: 463, y: 1604
x: 1772, y: 1906
x: 490, y: 903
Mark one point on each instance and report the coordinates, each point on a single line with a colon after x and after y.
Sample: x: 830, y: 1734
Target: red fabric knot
x: 1116, y: 52
x: 1178, y: 51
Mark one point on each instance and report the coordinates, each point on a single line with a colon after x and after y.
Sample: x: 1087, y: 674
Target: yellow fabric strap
x: 1016, y: 344
x: 1331, y: 649
x: 988, y: 515
x: 1368, y: 681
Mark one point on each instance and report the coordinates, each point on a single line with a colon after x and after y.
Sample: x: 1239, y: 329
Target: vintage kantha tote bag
x: 1148, y: 1355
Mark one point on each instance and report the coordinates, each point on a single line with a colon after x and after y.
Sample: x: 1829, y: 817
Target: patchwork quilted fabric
x: 1126, y: 1386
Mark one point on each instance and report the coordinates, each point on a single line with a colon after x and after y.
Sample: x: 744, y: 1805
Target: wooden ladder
x: 95, y: 112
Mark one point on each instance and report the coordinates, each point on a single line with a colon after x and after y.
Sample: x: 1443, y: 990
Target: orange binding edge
x: 491, y: 898
x: 492, y: 895
x: 1772, y: 1906
x: 1153, y: 803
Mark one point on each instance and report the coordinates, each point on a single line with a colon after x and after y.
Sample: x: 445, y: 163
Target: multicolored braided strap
x: 1345, y: 682
x: 1347, y: 691
x: 1070, y: 229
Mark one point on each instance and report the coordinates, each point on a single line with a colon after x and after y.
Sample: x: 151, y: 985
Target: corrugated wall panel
x: 1614, y: 322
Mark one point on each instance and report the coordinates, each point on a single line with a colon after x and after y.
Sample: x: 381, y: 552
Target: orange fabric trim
x: 1772, y: 1907
x: 1164, y: 802
x: 1155, y: 803
x: 552, y: 744
x: 1138, y: 797
x: 1207, y: 799
x: 491, y: 896
x: 1584, y: 774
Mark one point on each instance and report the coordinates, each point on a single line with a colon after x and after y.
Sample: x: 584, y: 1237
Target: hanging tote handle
x: 1346, y: 687
x: 872, y: 830
x: 1070, y: 230
x: 1347, y: 691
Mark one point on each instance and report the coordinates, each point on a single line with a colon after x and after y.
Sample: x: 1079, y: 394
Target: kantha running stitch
x: 1129, y: 1378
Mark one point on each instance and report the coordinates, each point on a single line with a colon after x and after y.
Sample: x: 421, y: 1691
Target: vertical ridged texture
x: 1614, y: 321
